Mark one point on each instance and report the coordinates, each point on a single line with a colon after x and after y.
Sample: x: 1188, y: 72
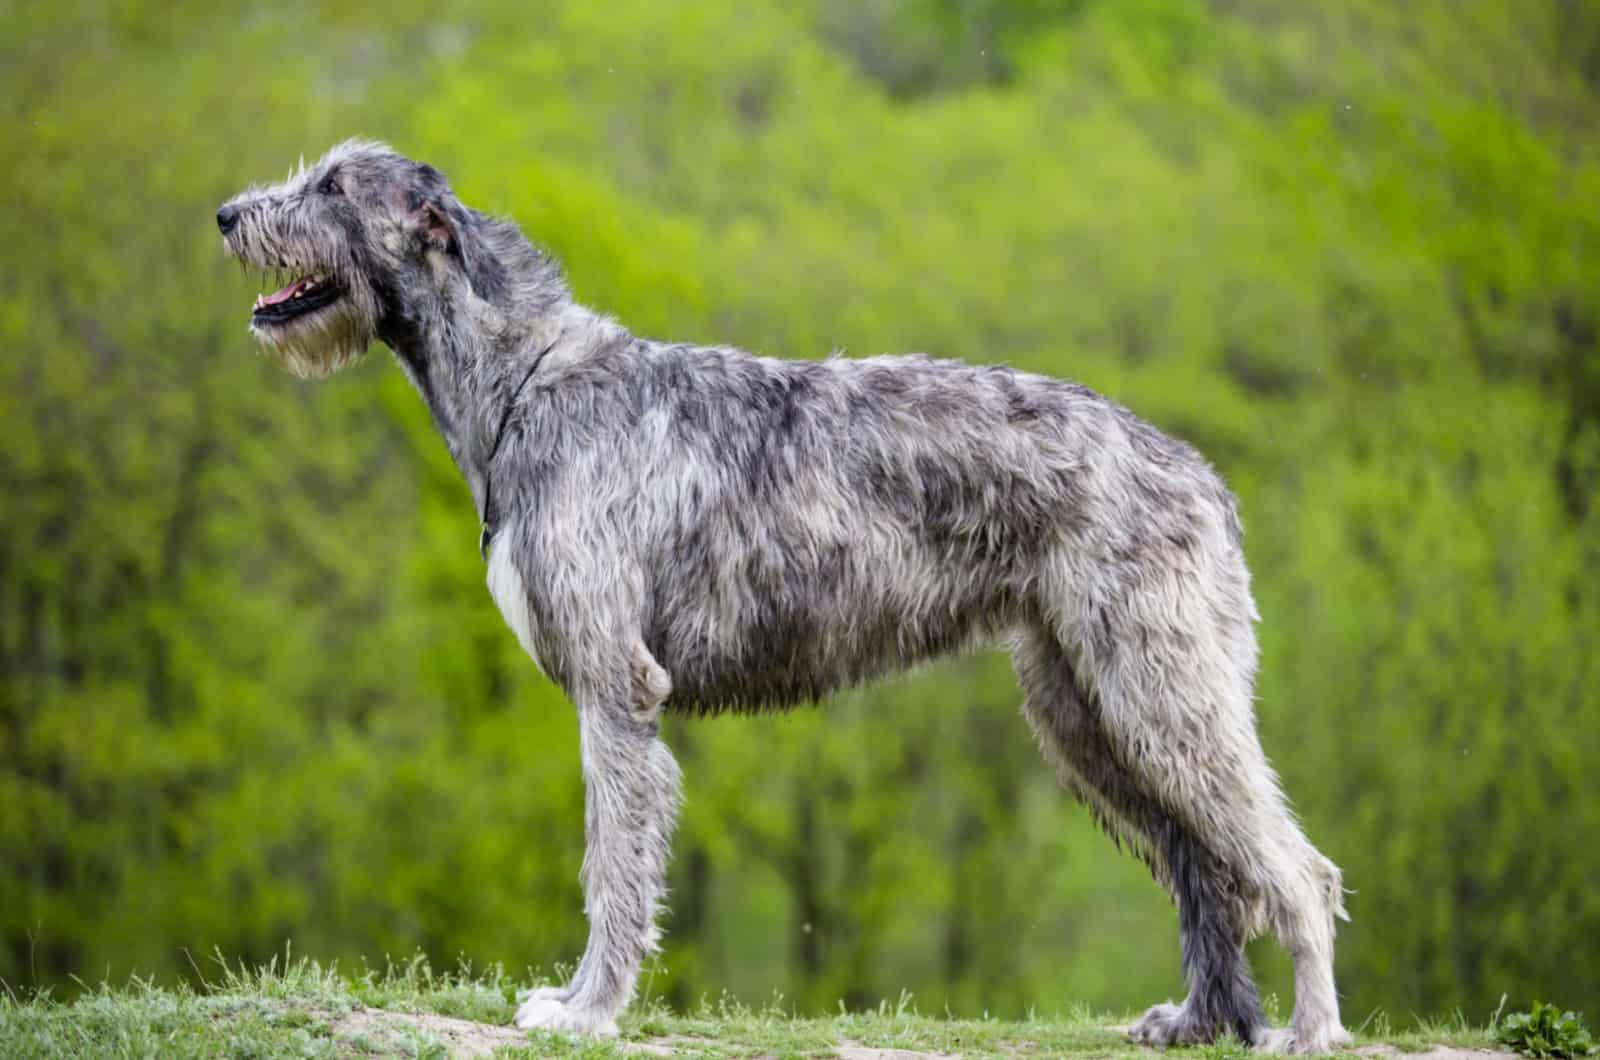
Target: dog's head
x: 367, y: 239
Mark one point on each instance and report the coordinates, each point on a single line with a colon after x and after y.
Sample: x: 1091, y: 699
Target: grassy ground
x: 300, y: 1009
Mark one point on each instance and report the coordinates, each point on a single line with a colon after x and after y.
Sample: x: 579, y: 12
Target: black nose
x: 227, y: 219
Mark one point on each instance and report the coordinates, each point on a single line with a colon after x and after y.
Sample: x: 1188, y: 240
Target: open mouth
x: 305, y: 295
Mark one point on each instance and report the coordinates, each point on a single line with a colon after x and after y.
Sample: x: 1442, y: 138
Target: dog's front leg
x: 632, y: 787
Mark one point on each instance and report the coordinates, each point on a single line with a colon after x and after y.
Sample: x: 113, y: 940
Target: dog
x: 686, y: 528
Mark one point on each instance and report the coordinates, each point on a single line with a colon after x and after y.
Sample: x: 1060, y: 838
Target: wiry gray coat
x: 689, y: 528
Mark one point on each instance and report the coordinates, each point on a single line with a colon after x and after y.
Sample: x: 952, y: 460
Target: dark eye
x: 329, y: 186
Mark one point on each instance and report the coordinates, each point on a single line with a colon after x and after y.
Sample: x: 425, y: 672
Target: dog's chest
x: 510, y: 595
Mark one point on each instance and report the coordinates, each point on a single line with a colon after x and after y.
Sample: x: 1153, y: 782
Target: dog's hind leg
x: 1211, y: 916
x: 633, y: 790
x: 1178, y: 712
x: 1169, y: 664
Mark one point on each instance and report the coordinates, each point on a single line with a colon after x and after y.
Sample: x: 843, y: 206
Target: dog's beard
x: 319, y: 321
x: 317, y: 344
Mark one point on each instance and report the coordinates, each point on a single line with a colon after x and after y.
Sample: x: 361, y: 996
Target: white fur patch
x: 551, y: 1015
x: 511, y: 596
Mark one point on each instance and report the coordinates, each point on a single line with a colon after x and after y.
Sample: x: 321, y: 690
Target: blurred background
x: 252, y: 688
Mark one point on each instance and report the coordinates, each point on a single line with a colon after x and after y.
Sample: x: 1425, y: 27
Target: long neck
x: 468, y: 358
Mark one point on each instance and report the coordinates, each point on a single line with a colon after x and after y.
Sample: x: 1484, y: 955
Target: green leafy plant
x: 1545, y: 1030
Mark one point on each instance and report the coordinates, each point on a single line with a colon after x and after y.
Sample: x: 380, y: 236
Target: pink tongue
x: 287, y: 293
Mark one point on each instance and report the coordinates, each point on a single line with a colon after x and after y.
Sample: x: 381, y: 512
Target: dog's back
x: 802, y: 525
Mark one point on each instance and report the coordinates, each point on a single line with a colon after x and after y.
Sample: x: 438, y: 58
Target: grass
x: 302, y: 1009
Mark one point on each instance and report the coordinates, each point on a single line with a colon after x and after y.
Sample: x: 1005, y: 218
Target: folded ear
x: 445, y: 225
x: 435, y: 226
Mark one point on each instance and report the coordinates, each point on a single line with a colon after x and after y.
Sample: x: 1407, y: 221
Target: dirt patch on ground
x: 671, y: 1045
x: 375, y: 1030
x: 379, y: 1030
x: 371, y: 1030
x: 1435, y: 1052
x: 849, y: 1050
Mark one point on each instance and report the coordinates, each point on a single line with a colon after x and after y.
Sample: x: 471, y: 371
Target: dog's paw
x: 1287, y: 1040
x: 1162, y: 1025
x: 549, y: 1014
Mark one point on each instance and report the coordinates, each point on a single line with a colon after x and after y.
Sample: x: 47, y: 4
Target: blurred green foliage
x: 251, y: 687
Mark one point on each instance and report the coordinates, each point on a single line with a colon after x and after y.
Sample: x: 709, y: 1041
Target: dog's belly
x: 783, y: 653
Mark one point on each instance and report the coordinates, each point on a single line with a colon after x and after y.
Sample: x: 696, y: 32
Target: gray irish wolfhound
x: 692, y: 528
